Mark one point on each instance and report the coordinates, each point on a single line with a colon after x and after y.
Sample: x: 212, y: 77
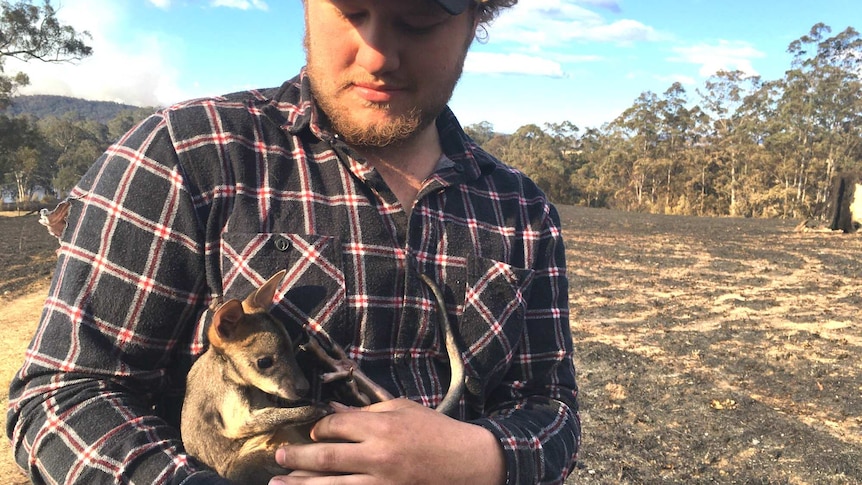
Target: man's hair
x: 489, y: 9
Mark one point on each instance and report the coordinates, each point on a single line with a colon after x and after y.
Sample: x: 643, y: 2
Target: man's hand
x: 394, y: 442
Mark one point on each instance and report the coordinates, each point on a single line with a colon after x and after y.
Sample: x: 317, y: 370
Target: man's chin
x: 377, y: 130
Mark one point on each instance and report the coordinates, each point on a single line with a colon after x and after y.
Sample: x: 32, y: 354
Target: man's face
x: 383, y: 70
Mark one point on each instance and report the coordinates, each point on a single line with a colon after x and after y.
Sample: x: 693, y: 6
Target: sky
x: 543, y: 61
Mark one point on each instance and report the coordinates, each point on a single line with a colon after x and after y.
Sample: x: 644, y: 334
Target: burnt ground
x: 715, y: 349
x: 27, y: 255
x: 709, y: 350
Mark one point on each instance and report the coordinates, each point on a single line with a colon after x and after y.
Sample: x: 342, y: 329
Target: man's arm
x: 534, y: 412
x: 121, y: 314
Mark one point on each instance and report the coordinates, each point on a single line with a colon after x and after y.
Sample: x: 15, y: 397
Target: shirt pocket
x: 312, y: 294
x: 491, y: 322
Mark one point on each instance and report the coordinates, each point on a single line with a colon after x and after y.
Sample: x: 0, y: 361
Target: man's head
x: 383, y: 70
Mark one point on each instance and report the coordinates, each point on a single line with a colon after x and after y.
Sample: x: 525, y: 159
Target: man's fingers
x: 312, y: 478
x: 322, y: 458
x: 350, y: 424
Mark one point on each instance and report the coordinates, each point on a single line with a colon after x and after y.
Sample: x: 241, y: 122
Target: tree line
x: 45, y: 105
x: 48, y: 156
x: 738, y: 145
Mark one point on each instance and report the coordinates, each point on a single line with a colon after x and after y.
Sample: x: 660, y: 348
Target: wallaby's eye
x: 264, y: 363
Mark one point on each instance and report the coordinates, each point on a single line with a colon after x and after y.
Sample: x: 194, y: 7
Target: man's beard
x: 378, y: 134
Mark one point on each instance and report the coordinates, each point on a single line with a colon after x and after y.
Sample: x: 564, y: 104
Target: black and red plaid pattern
x: 206, y: 200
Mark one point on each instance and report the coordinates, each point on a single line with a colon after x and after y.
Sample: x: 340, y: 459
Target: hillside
x: 41, y: 106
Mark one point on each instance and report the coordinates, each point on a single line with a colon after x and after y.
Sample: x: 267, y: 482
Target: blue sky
x: 583, y: 61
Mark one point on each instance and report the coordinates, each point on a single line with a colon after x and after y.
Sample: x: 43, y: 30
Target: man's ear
x: 225, y: 323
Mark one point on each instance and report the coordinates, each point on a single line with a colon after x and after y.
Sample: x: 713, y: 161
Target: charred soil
x: 715, y: 349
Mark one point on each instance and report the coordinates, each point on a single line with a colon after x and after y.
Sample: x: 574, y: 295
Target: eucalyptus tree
x: 28, y: 166
x: 481, y: 132
x: 592, y: 175
x: 677, y: 137
x: 73, y: 144
x: 30, y: 32
x: 33, y: 32
x: 543, y: 158
x: 15, y: 135
x: 635, y: 135
x: 821, y: 106
x: 728, y: 140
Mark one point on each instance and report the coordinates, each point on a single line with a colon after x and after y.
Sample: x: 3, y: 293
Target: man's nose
x: 379, y: 50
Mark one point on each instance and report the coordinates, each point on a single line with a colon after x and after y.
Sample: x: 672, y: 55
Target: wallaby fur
x: 232, y: 417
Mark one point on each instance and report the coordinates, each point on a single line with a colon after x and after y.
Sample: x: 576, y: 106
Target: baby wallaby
x: 234, y: 415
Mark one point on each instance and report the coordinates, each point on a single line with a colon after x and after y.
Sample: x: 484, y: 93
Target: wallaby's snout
x: 301, y: 388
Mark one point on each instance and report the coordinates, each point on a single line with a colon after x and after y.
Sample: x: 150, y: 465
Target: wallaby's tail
x: 449, y: 404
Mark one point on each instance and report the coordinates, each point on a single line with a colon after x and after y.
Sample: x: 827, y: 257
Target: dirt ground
x: 708, y: 350
x: 27, y: 258
x: 715, y: 350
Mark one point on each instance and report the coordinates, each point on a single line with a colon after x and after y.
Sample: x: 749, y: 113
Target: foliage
x: 744, y: 147
x: 30, y: 32
x: 43, y: 106
x: 50, y: 154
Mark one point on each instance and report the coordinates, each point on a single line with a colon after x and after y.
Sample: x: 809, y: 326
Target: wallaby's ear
x: 225, y: 322
x: 262, y: 298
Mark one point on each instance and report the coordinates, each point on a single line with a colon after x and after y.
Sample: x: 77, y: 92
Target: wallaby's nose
x: 295, y: 390
x: 302, y: 387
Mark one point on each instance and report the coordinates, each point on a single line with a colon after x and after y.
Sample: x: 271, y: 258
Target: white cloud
x: 241, y: 4
x: 163, y: 4
x: 726, y: 55
x: 550, y: 23
x: 79, y: 14
x: 489, y: 62
x: 126, y: 66
x: 567, y: 58
x: 611, y: 5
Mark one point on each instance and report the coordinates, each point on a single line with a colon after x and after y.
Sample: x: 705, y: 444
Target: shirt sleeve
x: 88, y: 405
x: 534, y: 412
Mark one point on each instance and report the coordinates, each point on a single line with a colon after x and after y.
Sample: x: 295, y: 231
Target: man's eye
x: 419, y: 28
x: 354, y: 18
x: 264, y: 363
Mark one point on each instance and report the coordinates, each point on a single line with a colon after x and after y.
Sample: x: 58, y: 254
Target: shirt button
x: 281, y: 243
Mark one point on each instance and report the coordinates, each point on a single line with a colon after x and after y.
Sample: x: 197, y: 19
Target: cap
x: 454, y: 7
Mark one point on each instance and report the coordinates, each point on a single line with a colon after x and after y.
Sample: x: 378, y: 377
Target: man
x: 355, y: 177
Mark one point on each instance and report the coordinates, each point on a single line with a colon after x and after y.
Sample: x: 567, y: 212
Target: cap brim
x: 454, y: 7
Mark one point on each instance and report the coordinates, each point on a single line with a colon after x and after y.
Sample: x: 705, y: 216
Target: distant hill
x: 43, y: 105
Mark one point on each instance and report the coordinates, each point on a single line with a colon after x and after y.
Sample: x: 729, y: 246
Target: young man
x: 355, y: 177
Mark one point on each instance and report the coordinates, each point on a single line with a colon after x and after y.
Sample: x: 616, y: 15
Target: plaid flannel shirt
x: 206, y: 200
